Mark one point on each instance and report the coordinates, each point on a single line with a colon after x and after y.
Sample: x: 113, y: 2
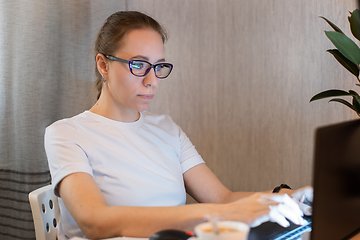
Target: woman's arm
x: 97, y: 220
x: 202, y: 184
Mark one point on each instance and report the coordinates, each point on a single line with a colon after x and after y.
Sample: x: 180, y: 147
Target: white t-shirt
x: 134, y: 164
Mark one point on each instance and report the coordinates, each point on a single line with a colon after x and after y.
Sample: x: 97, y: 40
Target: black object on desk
x: 171, y: 235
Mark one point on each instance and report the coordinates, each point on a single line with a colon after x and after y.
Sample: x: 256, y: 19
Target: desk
x: 357, y: 237
x: 117, y: 238
x: 123, y: 238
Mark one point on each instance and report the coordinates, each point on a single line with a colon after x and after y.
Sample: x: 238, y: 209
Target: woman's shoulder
x: 67, y: 122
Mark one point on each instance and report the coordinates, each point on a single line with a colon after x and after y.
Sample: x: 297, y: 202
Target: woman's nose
x: 150, y: 80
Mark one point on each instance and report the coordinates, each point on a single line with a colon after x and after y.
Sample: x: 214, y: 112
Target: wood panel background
x: 244, y: 73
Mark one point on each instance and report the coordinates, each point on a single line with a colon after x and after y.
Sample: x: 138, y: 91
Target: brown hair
x: 115, y: 28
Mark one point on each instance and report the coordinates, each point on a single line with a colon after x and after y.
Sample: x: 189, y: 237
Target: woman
x: 121, y: 171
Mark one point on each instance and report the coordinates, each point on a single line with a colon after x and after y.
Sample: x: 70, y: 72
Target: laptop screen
x: 336, y: 206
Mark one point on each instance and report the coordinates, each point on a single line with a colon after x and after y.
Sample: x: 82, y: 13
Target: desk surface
x: 117, y: 238
x: 357, y: 237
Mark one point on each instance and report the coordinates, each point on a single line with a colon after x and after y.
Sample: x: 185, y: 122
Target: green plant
x: 347, y: 53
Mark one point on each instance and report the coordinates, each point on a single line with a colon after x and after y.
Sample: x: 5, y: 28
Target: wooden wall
x: 244, y: 73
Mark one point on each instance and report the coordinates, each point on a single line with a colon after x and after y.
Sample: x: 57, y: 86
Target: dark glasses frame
x: 129, y: 62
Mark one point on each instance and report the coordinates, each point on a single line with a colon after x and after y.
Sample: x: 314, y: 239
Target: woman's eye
x: 137, y: 65
x: 159, y: 67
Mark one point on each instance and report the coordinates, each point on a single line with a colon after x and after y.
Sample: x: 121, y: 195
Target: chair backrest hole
x: 43, y: 208
x: 54, y: 222
x: 51, y: 204
x: 47, y: 227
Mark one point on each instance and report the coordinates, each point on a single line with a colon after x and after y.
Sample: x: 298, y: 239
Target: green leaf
x: 353, y: 93
x: 355, y: 24
x: 332, y: 25
x: 329, y: 93
x: 356, y: 104
x: 346, y: 63
x: 346, y: 103
x: 345, y: 45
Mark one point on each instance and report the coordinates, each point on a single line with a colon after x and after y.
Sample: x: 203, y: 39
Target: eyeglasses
x: 140, y: 68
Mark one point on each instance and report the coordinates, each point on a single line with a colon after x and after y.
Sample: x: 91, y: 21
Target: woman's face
x: 126, y: 92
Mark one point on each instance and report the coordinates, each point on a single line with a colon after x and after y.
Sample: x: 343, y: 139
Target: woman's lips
x: 147, y: 96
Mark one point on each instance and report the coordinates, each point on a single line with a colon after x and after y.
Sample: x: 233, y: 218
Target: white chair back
x: 46, y: 213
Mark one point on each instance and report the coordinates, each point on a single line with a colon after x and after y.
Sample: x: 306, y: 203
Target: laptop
x: 336, y: 181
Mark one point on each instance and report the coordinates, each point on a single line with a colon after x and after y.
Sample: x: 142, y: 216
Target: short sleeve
x: 64, y: 152
x: 189, y: 157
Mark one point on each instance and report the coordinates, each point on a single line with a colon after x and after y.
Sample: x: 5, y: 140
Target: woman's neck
x: 114, y: 113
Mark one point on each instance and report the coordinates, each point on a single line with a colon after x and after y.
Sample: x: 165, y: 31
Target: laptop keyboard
x: 295, y: 233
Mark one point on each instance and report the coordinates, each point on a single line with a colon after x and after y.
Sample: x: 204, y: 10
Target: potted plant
x: 347, y: 53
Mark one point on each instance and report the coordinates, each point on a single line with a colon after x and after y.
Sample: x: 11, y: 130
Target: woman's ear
x: 102, y: 65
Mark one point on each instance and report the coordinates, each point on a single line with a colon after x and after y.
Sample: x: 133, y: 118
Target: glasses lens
x: 138, y: 67
x: 141, y: 68
x: 162, y: 70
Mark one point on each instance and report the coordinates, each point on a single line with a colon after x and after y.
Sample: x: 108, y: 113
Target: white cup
x: 228, y: 230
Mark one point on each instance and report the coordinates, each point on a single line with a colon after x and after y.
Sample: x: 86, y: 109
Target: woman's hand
x: 302, y: 196
x: 262, y: 207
